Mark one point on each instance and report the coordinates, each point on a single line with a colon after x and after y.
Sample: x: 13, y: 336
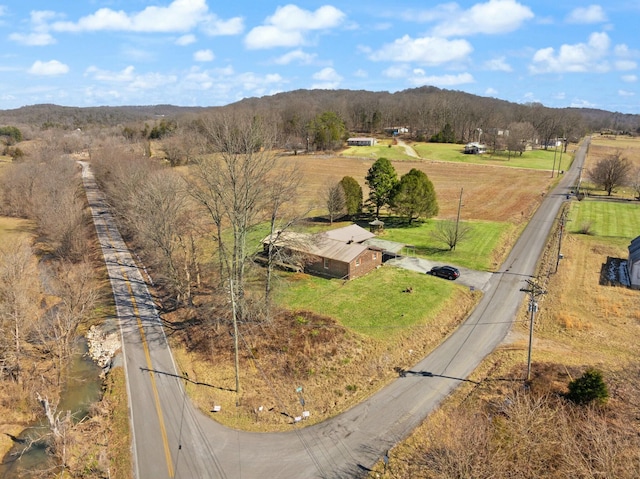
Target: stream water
x: 83, y: 387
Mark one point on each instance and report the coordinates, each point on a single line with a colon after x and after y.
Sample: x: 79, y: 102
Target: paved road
x: 172, y: 439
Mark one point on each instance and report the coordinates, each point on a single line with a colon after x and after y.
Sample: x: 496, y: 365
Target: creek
x: 82, y: 388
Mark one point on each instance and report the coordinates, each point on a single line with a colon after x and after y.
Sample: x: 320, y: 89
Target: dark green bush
x: 590, y: 387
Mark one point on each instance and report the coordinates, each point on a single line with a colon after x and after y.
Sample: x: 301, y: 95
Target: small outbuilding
x: 633, y: 263
x: 361, y: 141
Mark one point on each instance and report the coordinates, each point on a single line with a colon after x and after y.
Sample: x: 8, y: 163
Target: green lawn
x: 606, y: 218
x: 474, y: 252
x: 391, y: 152
x: 374, y: 305
x: 534, y: 159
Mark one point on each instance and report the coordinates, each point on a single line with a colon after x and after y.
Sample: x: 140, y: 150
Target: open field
x: 538, y: 159
x: 604, y: 146
x: 483, y: 248
x: 490, y: 193
x: 606, y: 218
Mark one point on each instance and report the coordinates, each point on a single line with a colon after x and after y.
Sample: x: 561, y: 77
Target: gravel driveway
x: 468, y: 277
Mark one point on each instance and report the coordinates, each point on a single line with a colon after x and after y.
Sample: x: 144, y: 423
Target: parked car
x: 448, y: 272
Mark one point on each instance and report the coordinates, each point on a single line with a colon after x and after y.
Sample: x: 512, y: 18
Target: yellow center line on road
x: 156, y: 397
x: 147, y: 354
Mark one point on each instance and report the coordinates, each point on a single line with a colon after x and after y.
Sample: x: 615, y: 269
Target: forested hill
x: 361, y: 110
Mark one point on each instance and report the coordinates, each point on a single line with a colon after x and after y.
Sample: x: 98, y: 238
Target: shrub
x: 585, y: 228
x: 588, y: 388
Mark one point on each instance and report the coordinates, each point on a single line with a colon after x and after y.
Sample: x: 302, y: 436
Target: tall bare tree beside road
x: 232, y: 184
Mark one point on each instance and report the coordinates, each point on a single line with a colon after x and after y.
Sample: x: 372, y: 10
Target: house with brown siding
x: 338, y: 253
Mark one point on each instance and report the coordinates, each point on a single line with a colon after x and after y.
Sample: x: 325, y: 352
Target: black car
x: 448, y: 272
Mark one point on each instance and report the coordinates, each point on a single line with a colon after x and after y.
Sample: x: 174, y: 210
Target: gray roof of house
x: 320, y: 245
x: 352, y: 233
x: 634, y: 250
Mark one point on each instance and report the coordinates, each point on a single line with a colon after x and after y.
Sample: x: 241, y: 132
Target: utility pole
x: 555, y: 152
x: 534, y: 291
x: 562, y: 147
x: 563, y: 222
x: 458, y: 219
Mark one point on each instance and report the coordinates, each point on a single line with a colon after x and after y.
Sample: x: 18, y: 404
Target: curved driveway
x: 173, y: 439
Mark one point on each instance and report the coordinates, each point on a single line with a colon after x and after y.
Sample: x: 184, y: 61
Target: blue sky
x: 212, y: 53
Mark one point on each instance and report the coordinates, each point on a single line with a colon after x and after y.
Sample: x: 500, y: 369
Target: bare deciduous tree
x: 335, y: 200
x: 77, y: 292
x: 451, y: 232
x: 19, y: 297
x: 231, y: 183
x: 611, y: 172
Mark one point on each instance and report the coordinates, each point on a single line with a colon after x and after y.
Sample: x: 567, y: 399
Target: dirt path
x: 408, y: 149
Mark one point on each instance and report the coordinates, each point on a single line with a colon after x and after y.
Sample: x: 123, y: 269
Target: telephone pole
x: 563, y: 222
x: 534, y: 291
x: 455, y: 238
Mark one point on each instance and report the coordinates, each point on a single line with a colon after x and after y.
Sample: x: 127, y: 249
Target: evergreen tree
x: 414, y: 196
x: 352, y: 195
x: 381, y: 179
x: 588, y: 388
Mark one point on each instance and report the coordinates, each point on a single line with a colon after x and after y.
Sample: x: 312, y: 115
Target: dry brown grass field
x: 491, y: 193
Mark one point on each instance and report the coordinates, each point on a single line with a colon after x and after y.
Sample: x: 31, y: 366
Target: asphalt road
x: 172, y: 439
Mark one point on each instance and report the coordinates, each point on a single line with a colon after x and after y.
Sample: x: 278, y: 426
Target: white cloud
x: 425, y: 50
x: 288, y: 25
x: 626, y: 93
x: 327, y: 74
x: 491, y: 92
x: 418, y: 77
x: 33, y: 39
x: 185, y: 40
x: 498, y: 64
x: 581, y: 57
x: 397, y: 71
x: 625, y: 65
x: 50, y: 68
x: 39, y: 35
x: 630, y: 78
x: 490, y: 18
x: 213, y: 26
x: 587, y: 15
x: 579, y: 103
x: 327, y: 79
x: 204, y: 56
x: 180, y: 15
x: 125, y: 75
x: 130, y: 80
x: 297, y: 56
